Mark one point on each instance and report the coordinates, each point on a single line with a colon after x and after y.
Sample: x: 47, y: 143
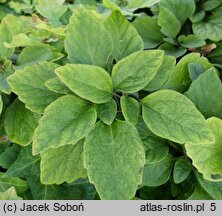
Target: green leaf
x: 204, y: 93
x: 118, y: 176
x: 1, y: 104
x: 107, y: 112
x: 111, y: 5
x: 9, y: 156
x: 211, y: 4
x: 63, y: 164
x: 134, y: 72
x: 35, y: 54
x: 214, y: 189
x: 9, y: 194
x: 207, y: 157
x: 20, y: 123
x: 191, y: 41
x: 156, y: 174
x: 149, y: 31
x: 92, y: 43
x: 171, y: 115
x: 197, y: 17
x: 135, y: 4
x: 182, y: 169
x: 26, y: 164
x: 210, y: 28
x: 182, y: 9
x: 87, y: 81
x: 195, y: 70
x: 179, y: 79
x: 28, y: 84
x: 56, y: 85
x: 52, y: 10
x: 130, y: 109
x: 170, y: 25
x: 162, y: 74
x: 126, y: 39
x: 4, y: 74
x: 11, y: 26
x: 156, y: 149
x: 65, y: 121
x: 143, y: 130
x: 8, y: 182
x: 199, y: 194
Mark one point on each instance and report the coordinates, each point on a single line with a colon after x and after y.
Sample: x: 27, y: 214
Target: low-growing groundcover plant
x: 111, y: 99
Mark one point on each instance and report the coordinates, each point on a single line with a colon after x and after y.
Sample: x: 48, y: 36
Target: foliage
x: 110, y: 99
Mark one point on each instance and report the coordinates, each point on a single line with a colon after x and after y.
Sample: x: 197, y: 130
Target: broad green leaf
x: 156, y: 149
x: 149, y: 31
x: 214, y: 189
x: 107, y: 112
x: 199, y: 194
x: 63, y: 164
x: 191, y: 41
x: 156, y: 174
x: 118, y: 176
x: 207, y: 157
x: 197, y: 17
x: 35, y: 54
x: 20, y: 123
x: 171, y: 115
x: 9, y: 156
x: 9, y: 194
x: 211, y: 4
x: 211, y: 28
x: 195, y: 70
x: 5, y: 72
x: 172, y: 50
x: 130, y: 108
x: 9, y: 27
x: 26, y: 164
x: 89, y: 43
x: 182, y: 169
x: 110, y: 5
x: 87, y: 81
x: 56, y: 85
x: 126, y: 39
x: 1, y: 104
x: 170, y: 25
x: 179, y: 79
x: 204, y: 93
x: 28, y: 84
x: 162, y: 74
x: 65, y: 121
x: 135, y: 4
x: 182, y: 9
x: 215, y: 55
x: 8, y: 182
x: 134, y: 72
x: 52, y: 10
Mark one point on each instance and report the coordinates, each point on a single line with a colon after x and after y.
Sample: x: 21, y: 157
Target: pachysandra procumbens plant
x: 110, y: 109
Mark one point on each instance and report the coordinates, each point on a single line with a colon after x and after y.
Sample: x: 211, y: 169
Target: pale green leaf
x: 28, y: 84
x: 191, y: 41
x: 205, y: 91
x: 87, y: 81
x: 207, y: 157
x: 149, y: 31
x: 135, y: 4
x: 171, y: 115
x: 65, y: 121
x: 9, y: 194
x: 134, y: 72
x: 179, y: 79
x: 130, y: 108
x: 162, y: 74
x: 126, y: 39
x: 114, y: 157
x: 20, y: 123
x: 63, y: 164
x: 182, y: 169
x: 89, y: 43
x: 56, y: 85
x: 107, y: 112
x: 4, y: 74
x: 170, y: 25
x: 199, y: 194
x: 156, y: 174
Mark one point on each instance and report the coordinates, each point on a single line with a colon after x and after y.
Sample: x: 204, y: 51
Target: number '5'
x: 213, y: 207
